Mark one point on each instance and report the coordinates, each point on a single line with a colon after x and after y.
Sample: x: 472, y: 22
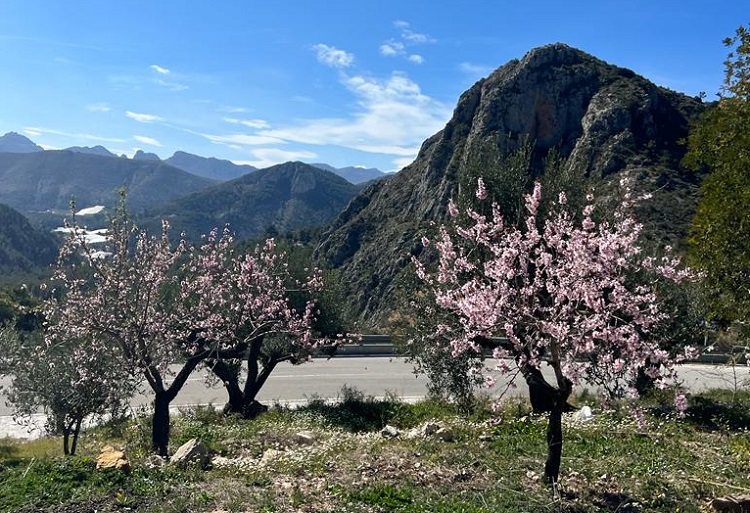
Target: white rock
x: 584, y: 414
x: 389, y: 432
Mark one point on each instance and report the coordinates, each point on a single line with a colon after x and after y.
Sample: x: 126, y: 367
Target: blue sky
x: 354, y: 82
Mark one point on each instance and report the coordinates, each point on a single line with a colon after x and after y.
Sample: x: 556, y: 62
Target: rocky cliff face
x: 601, y: 119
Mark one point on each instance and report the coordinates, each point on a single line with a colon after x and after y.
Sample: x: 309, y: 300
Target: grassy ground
x: 343, y: 463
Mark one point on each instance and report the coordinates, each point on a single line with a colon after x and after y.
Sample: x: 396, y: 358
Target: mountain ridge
x: 49, y: 180
x: 601, y: 120
x: 284, y: 197
x: 13, y: 142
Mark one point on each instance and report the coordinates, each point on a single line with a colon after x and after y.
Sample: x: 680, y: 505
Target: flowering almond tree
x: 247, y: 309
x: 579, y: 296
x: 168, y: 308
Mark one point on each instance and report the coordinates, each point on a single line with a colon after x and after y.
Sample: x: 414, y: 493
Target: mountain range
x: 556, y: 112
x: 196, y: 193
x: 206, y: 167
x: 43, y: 181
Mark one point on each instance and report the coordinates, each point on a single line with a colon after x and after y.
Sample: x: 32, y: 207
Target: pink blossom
x: 554, y: 286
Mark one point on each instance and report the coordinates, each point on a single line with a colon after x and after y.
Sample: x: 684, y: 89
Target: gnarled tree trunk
x: 243, y: 400
x: 545, y: 398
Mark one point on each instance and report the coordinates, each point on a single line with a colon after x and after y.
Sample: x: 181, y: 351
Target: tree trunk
x: 547, y: 399
x: 256, y: 378
x: 231, y: 382
x: 554, y: 442
x: 76, y: 432
x: 163, y: 397
x: 243, y: 401
x: 160, y: 424
x: 66, y: 441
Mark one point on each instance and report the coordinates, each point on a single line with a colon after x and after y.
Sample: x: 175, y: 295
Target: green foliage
x: 354, y: 411
x: 720, y: 231
x: 65, y: 380
x: 26, y: 252
x: 46, y: 484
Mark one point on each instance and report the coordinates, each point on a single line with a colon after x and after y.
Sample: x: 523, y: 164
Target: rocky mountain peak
x: 13, y: 142
x: 142, y: 155
x: 600, y: 119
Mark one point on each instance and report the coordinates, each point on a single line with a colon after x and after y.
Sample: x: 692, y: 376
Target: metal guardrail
x: 381, y: 345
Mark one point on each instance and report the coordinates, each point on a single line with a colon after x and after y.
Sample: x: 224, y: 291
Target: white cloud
x: 391, y: 48
x: 332, y: 56
x: 143, y: 118
x: 250, y: 123
x: 243, y: 139
x: 407, y: 34
x: 98, y: 107
x: 396, y: 47
x: 159, y: 69
x: 266, y: 157
x: 232, y: 109
x: 147, y: 140
x: 35, y: 131
x: 393, y: 117
x: 172, y: 86
x: 401, y: 163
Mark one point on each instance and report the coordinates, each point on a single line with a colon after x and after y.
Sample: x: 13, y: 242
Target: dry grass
x: 343, y: 464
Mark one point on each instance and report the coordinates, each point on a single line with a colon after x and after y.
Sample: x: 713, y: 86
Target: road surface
x: 376, y: 376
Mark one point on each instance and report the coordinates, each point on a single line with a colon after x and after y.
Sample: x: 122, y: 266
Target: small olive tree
x: 69, y: 381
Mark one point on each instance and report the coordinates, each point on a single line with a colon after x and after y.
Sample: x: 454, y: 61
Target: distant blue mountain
x: 142, y: 155
x: 17, y: 143
x: 210, y: 167
x: 354, y: 174
x: 95, y: 150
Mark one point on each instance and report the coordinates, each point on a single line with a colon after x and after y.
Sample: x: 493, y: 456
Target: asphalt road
x: 375, y: 376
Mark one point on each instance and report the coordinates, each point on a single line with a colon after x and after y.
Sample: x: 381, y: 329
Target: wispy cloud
x: 391, y: 48
x: 160, y: 69
x: 98, y: 107
x: 147, y: 140
x: 250, y: 123
x: 36, y: 131
x: 266, y: 157
x: 172, y: 86
x: 332, y: 56
x: 239, y: 140
x: 394, y: 117
x: 407, y: 37
x: 231, y: 109
x: 143, y: 118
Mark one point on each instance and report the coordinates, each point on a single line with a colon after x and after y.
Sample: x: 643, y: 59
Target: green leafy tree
x: 720, y: 231
x: 66, y: 380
